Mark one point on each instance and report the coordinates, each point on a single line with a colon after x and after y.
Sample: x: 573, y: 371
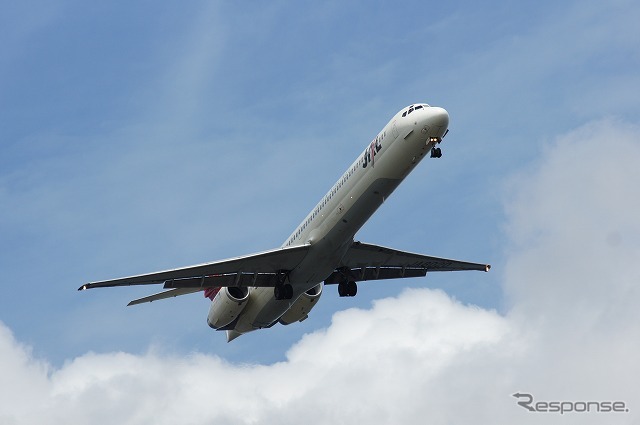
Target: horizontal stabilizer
x: 163, y: 295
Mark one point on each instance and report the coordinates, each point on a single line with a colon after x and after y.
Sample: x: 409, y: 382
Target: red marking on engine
x: 211, y: 292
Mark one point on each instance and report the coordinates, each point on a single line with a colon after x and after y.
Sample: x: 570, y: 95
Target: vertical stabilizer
x: 232, y: 334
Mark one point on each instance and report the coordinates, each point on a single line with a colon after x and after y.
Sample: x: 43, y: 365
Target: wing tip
x: 83, y: 287
x: 487, y: 267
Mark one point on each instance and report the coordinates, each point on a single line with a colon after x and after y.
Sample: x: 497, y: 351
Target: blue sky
x: 138, y: 136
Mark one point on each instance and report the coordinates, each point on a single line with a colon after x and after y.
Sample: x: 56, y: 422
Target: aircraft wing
x: 261, y: 269
x: 372, y: 262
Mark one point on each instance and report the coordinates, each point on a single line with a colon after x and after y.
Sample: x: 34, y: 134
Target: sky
x: 138, y: 136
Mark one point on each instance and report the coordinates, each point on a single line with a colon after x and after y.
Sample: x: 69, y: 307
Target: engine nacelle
x: 303, y: 305
x: 227, y: 306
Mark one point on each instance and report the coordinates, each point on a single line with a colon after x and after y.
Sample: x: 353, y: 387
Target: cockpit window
x: 414, y: 108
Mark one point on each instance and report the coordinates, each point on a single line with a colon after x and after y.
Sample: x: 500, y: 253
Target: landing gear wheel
x: 347, y: 289
x: 352, y: 289
x: 436, y: 153
x: 288, y: 291
x: 283, y: 292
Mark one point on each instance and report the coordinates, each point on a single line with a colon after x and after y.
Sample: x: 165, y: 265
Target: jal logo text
x: 371, y: 152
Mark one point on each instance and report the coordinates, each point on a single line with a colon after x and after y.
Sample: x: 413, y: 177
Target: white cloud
x: 571, y: 331
x: 574, y: 226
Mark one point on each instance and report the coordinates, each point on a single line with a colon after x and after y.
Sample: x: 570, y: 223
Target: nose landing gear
x: 435, y: 152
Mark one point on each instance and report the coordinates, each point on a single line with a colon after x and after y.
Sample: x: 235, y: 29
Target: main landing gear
x: 282, y: 291
x: 347, y: 289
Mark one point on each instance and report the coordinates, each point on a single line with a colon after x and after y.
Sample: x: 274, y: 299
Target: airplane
x: 282, y: 285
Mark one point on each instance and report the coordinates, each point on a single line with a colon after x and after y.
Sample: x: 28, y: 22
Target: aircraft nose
x: 439, y: 117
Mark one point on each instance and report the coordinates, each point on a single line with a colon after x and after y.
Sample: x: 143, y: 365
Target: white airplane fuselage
x: 330, y: 227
